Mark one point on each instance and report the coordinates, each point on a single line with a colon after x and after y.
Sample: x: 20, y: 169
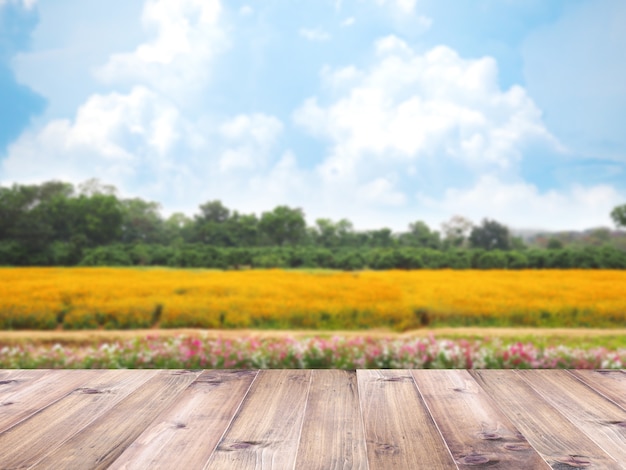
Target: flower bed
x: 184, y: 352
x: 116, y: 298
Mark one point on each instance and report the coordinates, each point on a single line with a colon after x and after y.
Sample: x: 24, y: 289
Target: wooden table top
x: 312, y: 419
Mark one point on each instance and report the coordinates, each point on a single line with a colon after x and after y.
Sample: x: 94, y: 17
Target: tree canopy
x: 55, y: 223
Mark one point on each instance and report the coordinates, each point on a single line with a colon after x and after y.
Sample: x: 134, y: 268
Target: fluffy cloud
x: 408, y: 107
x: 410, y: 135
x: 112, y: 136
x: 250, y: 139
x: 176, y: 61
x: 410, y: 117
x: 143, y: 141
x: 519, y: 203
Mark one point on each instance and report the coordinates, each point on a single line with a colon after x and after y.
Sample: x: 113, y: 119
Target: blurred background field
x: 123, y: 298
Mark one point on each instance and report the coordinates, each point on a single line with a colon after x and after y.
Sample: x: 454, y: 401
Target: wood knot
x: 185, y: 371
x: 180, y: 425
x: 621, y: 424
x: 477, y: 459
x: 6, y: 382
x: 387, y: 449
x: 574, y: 461
x: 89, y: 391
x: 516, y: 446
x: 402, y: 378
x: 241, y: 445
x: 490, y: 436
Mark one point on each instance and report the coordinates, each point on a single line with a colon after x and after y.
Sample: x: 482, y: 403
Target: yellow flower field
x: 71, y: 298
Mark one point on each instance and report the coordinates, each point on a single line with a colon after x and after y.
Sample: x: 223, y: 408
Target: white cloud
x: 141, y: 143
x: 405, y: 122
x: 380, y: 191
x: 176, y: 61
x: 408, y: 107
x: 252, y: 137
x: 314, y: 34
x: 520, y: 203
x: 112, y: 136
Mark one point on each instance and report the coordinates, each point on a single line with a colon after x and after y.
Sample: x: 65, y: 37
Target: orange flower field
x: 73, y: 298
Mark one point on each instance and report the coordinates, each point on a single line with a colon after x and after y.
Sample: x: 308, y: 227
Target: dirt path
x: 97, y: 336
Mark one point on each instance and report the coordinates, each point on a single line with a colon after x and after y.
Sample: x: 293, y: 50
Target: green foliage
x: 618, y: 215
x: 554, y: 244
x: 490, y: 235
x: 492, y: 260
x: 283, y: 226
x: 54, y: 224
x: 112, y: 255
x: 516, y: 260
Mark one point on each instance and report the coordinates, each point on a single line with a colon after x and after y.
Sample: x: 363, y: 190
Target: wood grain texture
x: 610, y: 383
x: 399, y: 431
x: 29, y: 441
x: 603, y: 421
x: 266, y: 431
x: 555, y: 437
x: 98, y: 444
x: 319, y: 419
x: 332, y: 435
x: 22, y: 396
x: 186, y: 435
x: 475, y: 430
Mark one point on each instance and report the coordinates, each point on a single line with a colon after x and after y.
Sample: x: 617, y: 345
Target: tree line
x: 58, y: 224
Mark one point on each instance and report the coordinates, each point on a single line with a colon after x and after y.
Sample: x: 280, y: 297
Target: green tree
x: 283, y: 226
x: 141, y: 221
x: 177, y: 228
x: 618, y: 215
x: 420, y: 235
x: 554, y: 244
x: 329, y: 234
x: 98, y: 217
x: 381, y: 238
x: 490, y: 235
x: 244, y: 229
x: 211, y: 225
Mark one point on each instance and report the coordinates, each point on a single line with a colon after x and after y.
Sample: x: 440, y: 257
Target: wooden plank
x: 31, y: 440
x: 22, y: 398
x: 266, y: 431
x: 556, y: 438
x: 14, y: 379
x: 399, y: 430
x: 98, y: 444
x: 475, y: 430
x: 603, y: 421
x: 186, y: 434
x: 610, y: 383
x: 332, y: 434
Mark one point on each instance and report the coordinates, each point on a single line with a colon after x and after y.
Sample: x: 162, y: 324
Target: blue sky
x: 380, y: 111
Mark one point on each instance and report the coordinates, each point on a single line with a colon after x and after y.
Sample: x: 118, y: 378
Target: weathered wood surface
x: 312, y: 419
